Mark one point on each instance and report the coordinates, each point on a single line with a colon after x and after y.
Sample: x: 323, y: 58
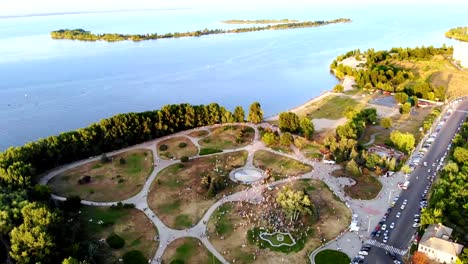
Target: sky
x: 26, y: 7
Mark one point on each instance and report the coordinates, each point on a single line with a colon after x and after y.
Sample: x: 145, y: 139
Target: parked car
x: 384, y: 226
x: 392, y: 225
x: 364, y: 253
x: 398, y: 215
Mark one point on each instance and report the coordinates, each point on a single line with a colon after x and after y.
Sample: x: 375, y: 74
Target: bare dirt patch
x: 178, y: 195
x: 110, y: 181
x: 198, y: 133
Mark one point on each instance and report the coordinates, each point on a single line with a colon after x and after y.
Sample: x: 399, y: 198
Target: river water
x: 50, y: 86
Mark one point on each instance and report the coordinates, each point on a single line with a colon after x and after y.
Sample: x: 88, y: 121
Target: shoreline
x: 347, y: 82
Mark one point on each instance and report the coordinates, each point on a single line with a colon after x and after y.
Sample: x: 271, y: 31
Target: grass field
x: 198, y: 133
x: 330, y: 107
x: 280, y: 166
x: 233, y: 244
x: 367, y: 186
x: 111, y: 181
x: 177, y: 147
x: 329, y: 256
x: 130, y: 224
x: 228, y: 137
x: 187, y: 251
x: 177, y: 195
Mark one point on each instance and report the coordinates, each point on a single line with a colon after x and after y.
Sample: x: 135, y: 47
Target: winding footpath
x: 253, y: 194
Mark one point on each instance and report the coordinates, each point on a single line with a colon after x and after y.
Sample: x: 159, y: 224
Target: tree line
x: 81, y: 34
x: 32, y: 227
x: 380, y: 72
x: 259, y: 21
x: 448, y: 201
x: 460, y: 33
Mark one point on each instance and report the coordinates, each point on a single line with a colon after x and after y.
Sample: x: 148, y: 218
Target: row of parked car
x: 363, y: 252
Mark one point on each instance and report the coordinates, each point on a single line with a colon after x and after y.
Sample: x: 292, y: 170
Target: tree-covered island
x: 459, y: 33
x: 80, y: 34
x: 260, y: 21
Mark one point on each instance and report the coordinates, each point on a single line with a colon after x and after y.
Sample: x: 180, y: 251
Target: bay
x: 50, y: 86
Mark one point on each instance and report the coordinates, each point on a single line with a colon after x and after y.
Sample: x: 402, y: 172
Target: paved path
x: 253, y: 195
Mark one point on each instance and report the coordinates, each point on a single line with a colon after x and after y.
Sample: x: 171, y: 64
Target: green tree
x: 71, y: 260
x: 405, y: 108
x: 402, y: 141
x: 386, y: 122
x: 294, y: 203
x: 460, y: 155
x: 352, y: 168
x: 392, y: 164
x: 429, y: 216
x: 239, y: 114
x: 286, y: 139
x: 289, y: 122
x: 406, y: 169
x: 338, y: 88
x: 11, y: 203
x: 401, y: 97
x: 32, y: 242
x: 307, y: 127
x: 134, y: 257
x: 269, y: 138
x: 255, y: 113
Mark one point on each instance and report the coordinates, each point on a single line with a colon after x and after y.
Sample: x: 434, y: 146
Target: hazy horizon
x: 33, y: 7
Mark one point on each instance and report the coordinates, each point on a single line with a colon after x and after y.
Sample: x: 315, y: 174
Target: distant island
x: 260, y: 21
x: 81, y: 34
x: 459, y: 33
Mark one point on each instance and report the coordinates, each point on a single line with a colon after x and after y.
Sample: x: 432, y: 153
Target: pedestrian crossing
x: 386, y: 247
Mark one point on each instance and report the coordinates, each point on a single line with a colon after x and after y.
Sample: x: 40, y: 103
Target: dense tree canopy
x: 289, y: 122
x: 460, y: 33
x: 402, y: 141
x: 294, y: 203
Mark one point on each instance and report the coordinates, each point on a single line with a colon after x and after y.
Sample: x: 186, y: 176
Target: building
x: 436, y: 244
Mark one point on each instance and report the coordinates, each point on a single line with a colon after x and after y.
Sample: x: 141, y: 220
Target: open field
x: 228, y: 227
x: 310, y: 149
x: 110, y: 181
x: 329, y: 256
x: 228, y: 137
x: 188, y: 250
x: 176, y: 147
x: 330, y: 107
x: 130, y: 224
x: 367, y: 187
x: 280, y: 166
x: 180, y: 197
x: 198, y: 133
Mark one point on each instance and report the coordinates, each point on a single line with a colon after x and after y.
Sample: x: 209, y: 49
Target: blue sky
x: 21, y: 7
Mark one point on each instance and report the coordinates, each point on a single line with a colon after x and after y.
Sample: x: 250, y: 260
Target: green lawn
x: 228, y: 137
x: 329, y: 256
x: 187, y: 251
x: 223, y: 225
x: 131, y: 224
x: 330, y: 107
x: 280, y: 166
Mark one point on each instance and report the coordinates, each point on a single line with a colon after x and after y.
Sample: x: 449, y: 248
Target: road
x: 400, y: 237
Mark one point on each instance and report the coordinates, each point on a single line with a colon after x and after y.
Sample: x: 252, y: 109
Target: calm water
x: 48, y: 86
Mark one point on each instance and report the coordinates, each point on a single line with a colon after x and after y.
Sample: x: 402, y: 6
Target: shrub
x: 121, y: 181
x: 134, y: 257
x: 129, y: 205
x: 122, y: 161
x: 182, y: 145
x: 184, y: 159
x: 115, y: 241
x: 73, y: 203
x: 386, y: 122
x: 163, y: 147
x: 338, y: 88
x: 180, y: 165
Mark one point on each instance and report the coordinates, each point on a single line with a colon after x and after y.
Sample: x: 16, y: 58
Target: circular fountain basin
x: 247, y: 175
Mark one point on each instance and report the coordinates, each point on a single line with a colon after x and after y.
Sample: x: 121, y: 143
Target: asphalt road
x: 401, y: 235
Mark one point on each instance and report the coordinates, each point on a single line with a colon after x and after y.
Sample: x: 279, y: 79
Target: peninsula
x: 260, y: 21
x: 81, y: 34
x: 459, y: 33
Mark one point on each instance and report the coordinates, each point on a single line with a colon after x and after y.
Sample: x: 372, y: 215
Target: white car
x: 398, y: 215
x: 402, y: 207
x: 405, y: 201
x: 425, y: 164
x: 392, y: 225
x: 364, y: 253
x: 415, y: 225
x: 385, y: 239
x: 384, y: 226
